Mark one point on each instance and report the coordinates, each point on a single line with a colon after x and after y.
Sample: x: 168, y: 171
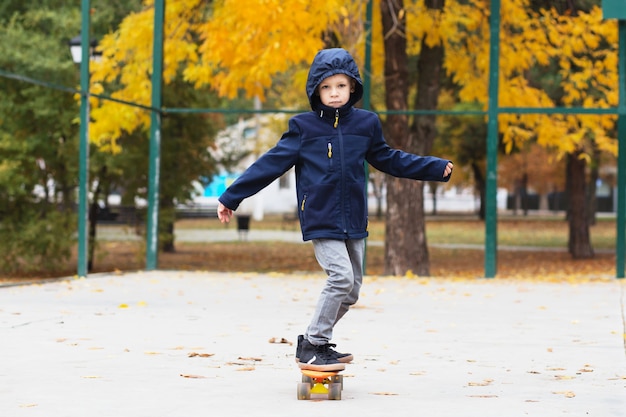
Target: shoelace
x: 325, y: 350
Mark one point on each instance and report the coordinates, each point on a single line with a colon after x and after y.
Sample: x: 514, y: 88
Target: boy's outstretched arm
x: 224, y: 213
x: 448, y: 170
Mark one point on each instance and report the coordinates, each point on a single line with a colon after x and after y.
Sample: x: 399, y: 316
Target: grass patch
x: 545, y: 231
x: 542, y: 261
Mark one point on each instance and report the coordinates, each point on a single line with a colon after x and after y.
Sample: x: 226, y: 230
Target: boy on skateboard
x: 328, y: 147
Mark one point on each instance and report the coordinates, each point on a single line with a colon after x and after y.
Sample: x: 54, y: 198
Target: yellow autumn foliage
x: 239, y: 46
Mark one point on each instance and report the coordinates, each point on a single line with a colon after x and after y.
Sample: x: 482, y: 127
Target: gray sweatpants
x: 343, y: 262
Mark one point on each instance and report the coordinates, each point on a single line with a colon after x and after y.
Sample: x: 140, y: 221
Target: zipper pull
x: 336, y: 118
x: 302, y: 205
x: 330, y: 150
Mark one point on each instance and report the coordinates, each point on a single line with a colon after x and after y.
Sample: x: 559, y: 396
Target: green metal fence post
x: 83, y: 150
x: 621, y: 155
x: 152, y: 233
x: 491, y: 207
x: 367, y: 81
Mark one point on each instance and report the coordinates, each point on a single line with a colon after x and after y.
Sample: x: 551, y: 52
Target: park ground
x: 212, y: 331
x: 182, y: 343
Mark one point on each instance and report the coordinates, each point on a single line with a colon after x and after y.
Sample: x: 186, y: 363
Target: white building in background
x: 256, y: 135
x: 251, y: 137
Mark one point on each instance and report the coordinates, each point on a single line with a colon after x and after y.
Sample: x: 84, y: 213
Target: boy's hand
x: 224, y: 213
x: 448, y: 169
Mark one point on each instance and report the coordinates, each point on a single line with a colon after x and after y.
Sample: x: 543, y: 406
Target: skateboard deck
x: 329, y: 384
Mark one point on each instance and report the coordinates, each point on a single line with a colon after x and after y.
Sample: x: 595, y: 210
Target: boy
x: 328, y: 148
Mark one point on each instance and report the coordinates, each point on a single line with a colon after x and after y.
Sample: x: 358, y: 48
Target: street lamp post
x: 76, y: 49
x: 82, y: 51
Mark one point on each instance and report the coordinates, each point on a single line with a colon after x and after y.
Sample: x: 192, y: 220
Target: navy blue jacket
x: 329, y: 159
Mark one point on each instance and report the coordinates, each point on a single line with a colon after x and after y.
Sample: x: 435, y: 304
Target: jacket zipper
x: 343, y: 177
x: 336, y: 118
x: 330, y: 155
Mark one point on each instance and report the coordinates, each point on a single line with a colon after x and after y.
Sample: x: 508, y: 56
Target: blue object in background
x: 219, y: 184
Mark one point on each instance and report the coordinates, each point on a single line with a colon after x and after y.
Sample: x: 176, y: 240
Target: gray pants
x: 343, y: 262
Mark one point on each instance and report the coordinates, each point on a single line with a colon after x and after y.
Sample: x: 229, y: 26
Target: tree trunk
x: 592, y: 190
x: 406, y: 248
x: 94, y: 208
x: 433, y: 189
x: 166, y: 225
x: 402, y: 241
x: 481, y: 187
x: 579, y: 243
x: 423, y: 130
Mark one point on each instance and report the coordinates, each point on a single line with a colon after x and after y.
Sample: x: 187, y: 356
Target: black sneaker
x: 318, y: 358
x: 299, y: 348
x: 341, y: 357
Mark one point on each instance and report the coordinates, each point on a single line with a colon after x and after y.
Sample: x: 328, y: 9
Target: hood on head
x: 329, y: 62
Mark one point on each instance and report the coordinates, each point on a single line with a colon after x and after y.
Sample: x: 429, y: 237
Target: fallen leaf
x: 418, y: 373
x: 567, y: 394
x: 250, y: 359
x: 200, y: 355
x: 192, y: 376
x: 280, y: 340
x: 247, y: 368
x: 484, y: 383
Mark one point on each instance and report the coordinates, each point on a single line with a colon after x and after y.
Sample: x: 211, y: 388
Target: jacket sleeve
x: 402, y: 164
x: 264, y: 170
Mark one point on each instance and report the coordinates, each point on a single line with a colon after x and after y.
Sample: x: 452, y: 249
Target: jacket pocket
x: 358, y: 205
x: 319, y: 209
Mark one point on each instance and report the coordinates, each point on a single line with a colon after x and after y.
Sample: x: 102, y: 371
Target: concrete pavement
x: 173, y: 344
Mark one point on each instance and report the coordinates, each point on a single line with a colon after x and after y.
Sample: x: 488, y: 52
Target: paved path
x: 231, y: 234
x: 174, y: 344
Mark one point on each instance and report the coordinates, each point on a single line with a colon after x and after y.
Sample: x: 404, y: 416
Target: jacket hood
x: 329, y: 62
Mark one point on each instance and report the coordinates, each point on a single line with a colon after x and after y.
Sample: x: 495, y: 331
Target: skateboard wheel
x: 304, y: 391
x: 334, y: 391
x: 307, y: 379
x: 337, y: 379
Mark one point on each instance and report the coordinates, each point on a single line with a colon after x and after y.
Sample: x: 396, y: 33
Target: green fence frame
x: 492, y: 140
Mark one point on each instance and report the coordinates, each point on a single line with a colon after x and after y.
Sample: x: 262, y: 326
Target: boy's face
x: 335, y: 90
